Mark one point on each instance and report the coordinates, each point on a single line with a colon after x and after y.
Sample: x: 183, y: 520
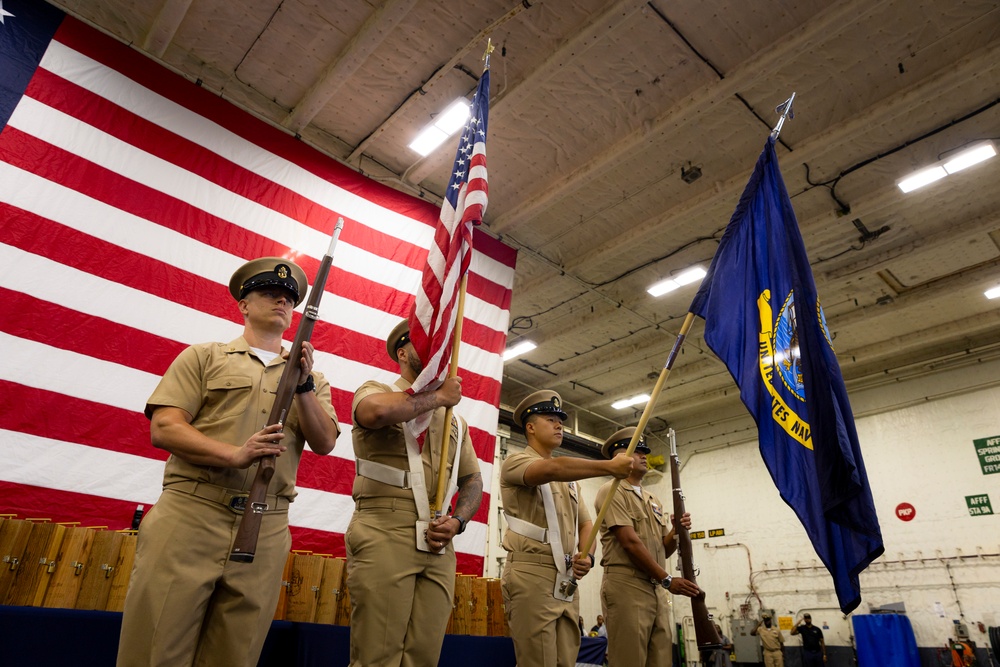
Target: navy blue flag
x: 763, y: 319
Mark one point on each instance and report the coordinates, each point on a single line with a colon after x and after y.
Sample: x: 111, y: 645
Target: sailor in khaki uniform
x: 547, y: 522
x: 400, y: 560
x: 636, y: 539
x: 771, y: 640
x: 187, y: 603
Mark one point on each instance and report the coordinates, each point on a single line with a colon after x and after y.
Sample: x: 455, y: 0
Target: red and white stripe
x: 434, y: 316
x: 128, y: 196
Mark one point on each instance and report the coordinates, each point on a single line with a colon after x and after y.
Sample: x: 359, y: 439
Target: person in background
x: 813, y: 646
x: 771, y: 640
x: 720, y: 656
x: 599, y: 628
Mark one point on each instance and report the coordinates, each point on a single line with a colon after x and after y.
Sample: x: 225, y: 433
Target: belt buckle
x: 239, y: 503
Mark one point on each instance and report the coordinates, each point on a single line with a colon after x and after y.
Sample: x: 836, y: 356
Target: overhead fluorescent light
x: 664, y: 286
x: 992, y: 293
x: 518, y: 350
x: 692, y: 275
x: 447, y: 123
x: 978, y: 152
x: 685, y: 277
x: 628, y: 402
x: 922, y: 178
x: 453, y: 118
x: 428, y: 139
x: 973, y: 155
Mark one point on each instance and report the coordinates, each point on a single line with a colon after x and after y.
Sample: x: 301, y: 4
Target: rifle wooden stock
x: 245, y: 544
x: 704, y: 628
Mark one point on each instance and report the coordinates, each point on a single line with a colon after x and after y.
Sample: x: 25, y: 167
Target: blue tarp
x: 885, y: 640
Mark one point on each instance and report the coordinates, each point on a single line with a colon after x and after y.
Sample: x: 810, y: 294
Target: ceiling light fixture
x: 629, y: 402
x: 447, y: 123
x: 686, y: 277
x: 992, y: 293
x: 975, y: 154
x: 518, y: 350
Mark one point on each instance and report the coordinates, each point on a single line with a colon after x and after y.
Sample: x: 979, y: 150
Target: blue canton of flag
x: 763, y: 319
x: 26, y: 28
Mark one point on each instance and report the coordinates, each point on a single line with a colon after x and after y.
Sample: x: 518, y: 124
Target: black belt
x: 234, y: 500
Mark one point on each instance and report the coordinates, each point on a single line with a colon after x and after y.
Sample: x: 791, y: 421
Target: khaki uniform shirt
x: 644, y: 514
x: 770, y: 638
x: 229, y: 392
x: 525, y: 503
x: 387, y: 446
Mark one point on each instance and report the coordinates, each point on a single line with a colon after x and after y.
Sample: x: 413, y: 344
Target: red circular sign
x: 905, y: 511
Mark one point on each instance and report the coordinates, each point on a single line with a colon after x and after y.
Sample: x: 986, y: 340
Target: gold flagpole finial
x: 489, y: 50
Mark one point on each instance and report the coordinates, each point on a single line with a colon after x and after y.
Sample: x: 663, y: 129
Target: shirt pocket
x: 227, y: 395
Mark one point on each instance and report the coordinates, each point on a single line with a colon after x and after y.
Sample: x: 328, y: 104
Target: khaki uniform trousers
x: 775, y: 658
x: 637, y: 615
x: 187, y: 603
x: 401, y: 598
x: 546, y: 631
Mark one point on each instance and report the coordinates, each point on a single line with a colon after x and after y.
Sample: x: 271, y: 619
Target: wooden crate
x: 496, y: 619
x: 14, y: 536
x: 31, y: 578
x: 344, y: 605
x: 286, y: 576
x: 99, y: 571
x: 304, y: 587
x: 67, y: 575
x: 477, y: 620
x: 330, y: 591
x: 123, y: 572
x: 461, y: 613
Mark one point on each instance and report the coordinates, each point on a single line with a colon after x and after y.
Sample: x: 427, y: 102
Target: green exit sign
x: 979, y: 505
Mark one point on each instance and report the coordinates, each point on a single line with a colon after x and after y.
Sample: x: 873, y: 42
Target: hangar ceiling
x: 600, y: 114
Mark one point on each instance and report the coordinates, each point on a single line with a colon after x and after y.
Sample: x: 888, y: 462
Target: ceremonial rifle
x: 704, y: 628
x: 245, y: 544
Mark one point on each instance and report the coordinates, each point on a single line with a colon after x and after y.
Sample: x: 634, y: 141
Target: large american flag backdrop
x: 128, y: 196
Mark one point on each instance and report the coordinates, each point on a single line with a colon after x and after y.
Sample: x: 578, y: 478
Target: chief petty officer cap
x: 620, y: 440
x: 269, y: 272
x: 398, y: 337
x: 541, y: 402
x: 765, y: 615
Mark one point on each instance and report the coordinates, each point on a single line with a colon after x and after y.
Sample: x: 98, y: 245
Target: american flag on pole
x: 128, y: 196
x: 432, y: 321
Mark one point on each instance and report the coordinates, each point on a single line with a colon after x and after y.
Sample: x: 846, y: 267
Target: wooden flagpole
x: 442, y: 481
x: 640, y: 427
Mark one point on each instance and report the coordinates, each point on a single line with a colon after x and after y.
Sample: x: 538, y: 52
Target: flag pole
x: 785, y: 109
x: 446, y: 426
x: 640, y: 427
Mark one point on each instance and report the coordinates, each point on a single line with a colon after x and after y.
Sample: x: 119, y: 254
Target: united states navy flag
x: 763, y: 319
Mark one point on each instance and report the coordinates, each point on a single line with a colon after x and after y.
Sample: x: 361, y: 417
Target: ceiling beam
x: 373, y: 32
x: 762, y: 64
x: 893, y: 109
x: 401, y: 111
x: 572, y: 49
x: 165, y: 26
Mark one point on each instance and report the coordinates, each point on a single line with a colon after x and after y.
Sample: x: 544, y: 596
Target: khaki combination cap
x: 269, y: 272
x: 541, y: 402
x: 620, y: 440
x: 398, y: 337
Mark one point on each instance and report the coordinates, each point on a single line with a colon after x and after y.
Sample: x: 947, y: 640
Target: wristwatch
x: 461, y: 523
x: 666, y: 581
x: 308, y: 385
